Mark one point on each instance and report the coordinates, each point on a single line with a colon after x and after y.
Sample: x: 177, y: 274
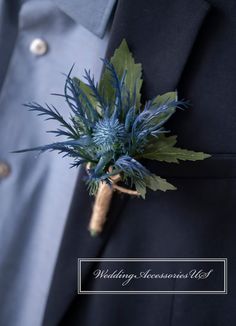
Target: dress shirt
x: 39, y: 39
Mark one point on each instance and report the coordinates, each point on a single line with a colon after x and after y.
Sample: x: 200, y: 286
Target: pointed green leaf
x: 141, y: 188
x: 123, y: 60
x: 159, y: 145
x: 164, y: 150
x: 173, y: 155
x: 155, y: 182
x: 166, y: 98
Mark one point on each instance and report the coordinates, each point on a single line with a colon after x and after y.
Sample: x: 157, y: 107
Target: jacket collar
x: 93, y: 15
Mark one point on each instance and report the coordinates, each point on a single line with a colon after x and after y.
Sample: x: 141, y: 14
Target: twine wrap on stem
x: 102, y: 202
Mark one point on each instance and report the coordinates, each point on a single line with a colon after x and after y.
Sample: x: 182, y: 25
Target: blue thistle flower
x: 109, y: 134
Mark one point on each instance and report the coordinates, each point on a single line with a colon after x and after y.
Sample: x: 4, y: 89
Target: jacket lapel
x: 160, y: 33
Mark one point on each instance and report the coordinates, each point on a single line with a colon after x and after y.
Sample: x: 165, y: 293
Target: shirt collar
x: 92, y: 14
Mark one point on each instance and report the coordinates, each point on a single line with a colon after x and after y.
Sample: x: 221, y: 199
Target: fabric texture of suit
x: 188, y: 45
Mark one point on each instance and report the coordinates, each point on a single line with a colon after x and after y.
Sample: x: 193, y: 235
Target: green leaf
x: 159, y: 145
x: 123, y: 60
x: 154, y: 183
x: 141, y: 188
x: 166, y: 98
x: 163, y: 150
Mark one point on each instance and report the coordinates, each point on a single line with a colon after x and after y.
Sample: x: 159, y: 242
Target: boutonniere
x: 110, y: 131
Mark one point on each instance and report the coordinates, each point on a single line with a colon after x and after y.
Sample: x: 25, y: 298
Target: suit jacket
x: 188, y: 45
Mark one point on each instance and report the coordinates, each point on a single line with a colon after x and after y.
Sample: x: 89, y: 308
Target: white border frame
x: 222, y: 260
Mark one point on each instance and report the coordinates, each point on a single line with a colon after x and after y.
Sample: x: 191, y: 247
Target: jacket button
x: 38, y: 47
x: 5, y: 170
